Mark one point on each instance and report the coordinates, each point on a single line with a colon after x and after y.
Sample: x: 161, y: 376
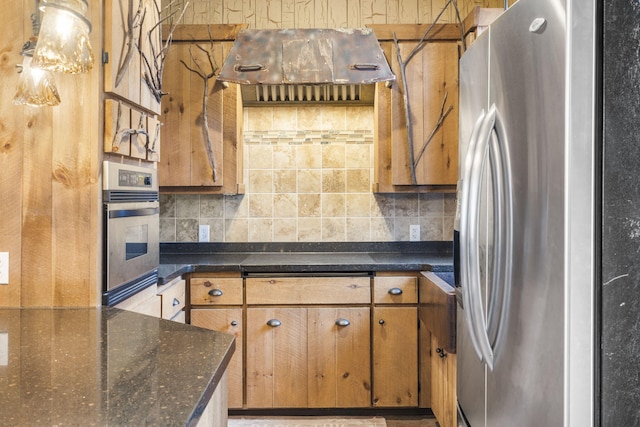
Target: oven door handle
x: 125, y: 213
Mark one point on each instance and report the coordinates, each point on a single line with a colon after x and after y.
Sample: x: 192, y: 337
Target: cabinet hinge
x: 105, y: 57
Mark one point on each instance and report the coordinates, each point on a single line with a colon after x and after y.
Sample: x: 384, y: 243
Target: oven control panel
x: 129, y: 178
x: 121, y: 177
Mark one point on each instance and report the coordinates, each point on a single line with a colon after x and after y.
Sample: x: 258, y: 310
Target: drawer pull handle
x: 274, y: 323
x: 342, y: 322
x: 176, y: 301
x: 234, y: 323
x: 215, y: 292
x: 395, y: 291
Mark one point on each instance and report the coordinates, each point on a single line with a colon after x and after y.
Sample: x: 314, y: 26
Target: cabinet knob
x: 234, y: 323
x: 395, y: 291
x: 381, y: 321
x: 441, y: 352
x: 215, y: 292
x: 274, y: 322
x: 175, y: 302
x: 342, y: 322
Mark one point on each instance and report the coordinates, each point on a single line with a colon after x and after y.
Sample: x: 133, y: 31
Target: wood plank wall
x: 50, y: 181
x: 323, y: 13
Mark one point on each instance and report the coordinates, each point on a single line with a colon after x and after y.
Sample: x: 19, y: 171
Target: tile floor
x: 408, y: 421
x: 411, y: 422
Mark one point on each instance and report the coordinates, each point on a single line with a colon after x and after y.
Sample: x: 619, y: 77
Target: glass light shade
x: 36, y: 87
x: 63, y: 41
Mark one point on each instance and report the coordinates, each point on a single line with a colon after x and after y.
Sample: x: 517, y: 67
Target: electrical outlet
x: 4, y: 349
x: 414, y: 232
x: 4, y: 268
x: 203, y: 233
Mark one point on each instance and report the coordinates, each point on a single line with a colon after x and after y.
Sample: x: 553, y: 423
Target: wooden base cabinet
x: 276, y: 358
x: 443, y: 385
x: 308, y: 357
x: 437, y: 312
x: 395, y: 357
x: 327, y: 342
x: 395, y: 340
x: 227, y: 320
x: 215, y: 413
x: 339, y: 367
x: 215, y: 302
x: 172, y: 297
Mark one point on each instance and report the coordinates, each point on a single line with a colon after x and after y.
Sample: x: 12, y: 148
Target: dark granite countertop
x: 105, y: 366
x: 180, y: 258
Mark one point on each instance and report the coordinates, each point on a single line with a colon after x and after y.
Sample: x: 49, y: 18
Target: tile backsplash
x: 308, y: 173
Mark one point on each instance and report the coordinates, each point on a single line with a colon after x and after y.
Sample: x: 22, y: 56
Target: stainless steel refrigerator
x: 526, y: 219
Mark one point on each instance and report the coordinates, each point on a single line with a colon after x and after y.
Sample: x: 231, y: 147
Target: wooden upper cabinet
x: 202, y: 119
x: 432, y: 83
x: 431, y: 76
x: 124, y: 31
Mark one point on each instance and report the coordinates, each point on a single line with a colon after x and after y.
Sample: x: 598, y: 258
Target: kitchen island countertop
x: 105, y: 366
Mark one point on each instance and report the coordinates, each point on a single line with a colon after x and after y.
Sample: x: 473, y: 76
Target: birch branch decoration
x: 153, y: 61
x: 131, y: 24
x: 152, y: 140
x: 121, y: 134
x: 402, y: 63
x: 205, y: 75
x: 443, y: 115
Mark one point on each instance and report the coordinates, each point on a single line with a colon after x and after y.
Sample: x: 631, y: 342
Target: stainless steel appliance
x: 526, y: 228
x: 131, y: 230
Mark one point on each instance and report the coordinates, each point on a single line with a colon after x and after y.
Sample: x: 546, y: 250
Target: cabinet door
x: 339, y: 369
x: 228, y: 320
x: 202, y: 151
x: 431, y: 76
x: 395, y: 356
x: 276, y: 357
x: 443, y: 385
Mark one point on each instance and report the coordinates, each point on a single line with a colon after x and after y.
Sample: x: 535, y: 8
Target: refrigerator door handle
x: 469, y: 217
x: 476, y: 309
x: 492, y: 143
x: 503, y: 232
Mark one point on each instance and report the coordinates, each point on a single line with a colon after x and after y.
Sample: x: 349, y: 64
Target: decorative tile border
x: 294, y: 137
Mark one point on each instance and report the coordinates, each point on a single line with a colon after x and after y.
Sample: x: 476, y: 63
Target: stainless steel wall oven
x: 131, y: 230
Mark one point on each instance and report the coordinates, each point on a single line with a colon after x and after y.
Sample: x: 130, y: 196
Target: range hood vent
x: 306, y: 65
x: 262, y: 94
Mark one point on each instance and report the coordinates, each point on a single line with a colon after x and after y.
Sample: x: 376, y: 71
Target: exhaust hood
x: 306, y: 65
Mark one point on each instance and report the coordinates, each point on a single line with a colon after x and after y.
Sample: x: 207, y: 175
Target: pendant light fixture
x: 63, y: 43
x: 36, y: 87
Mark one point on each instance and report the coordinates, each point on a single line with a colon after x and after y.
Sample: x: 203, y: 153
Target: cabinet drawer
x: 215, y: 291
x: 308, y: 290
x: 173, y: 299
x: 146, y: 302
x: 180, y: 317
x: 395, y: 290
